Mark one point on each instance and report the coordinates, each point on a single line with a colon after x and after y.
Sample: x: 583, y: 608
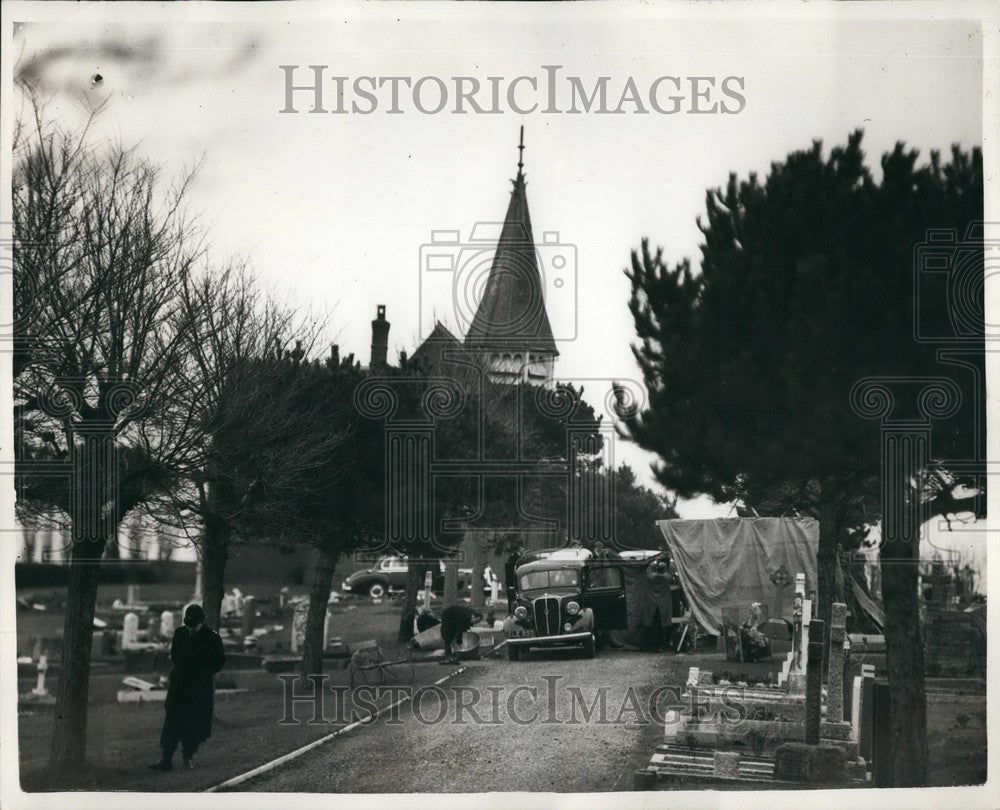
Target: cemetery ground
x: 413, y: 755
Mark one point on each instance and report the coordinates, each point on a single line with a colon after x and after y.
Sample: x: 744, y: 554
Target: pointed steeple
x: 511, y: 314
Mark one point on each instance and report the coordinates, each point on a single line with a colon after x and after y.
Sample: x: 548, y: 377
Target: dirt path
x: 496, y: 734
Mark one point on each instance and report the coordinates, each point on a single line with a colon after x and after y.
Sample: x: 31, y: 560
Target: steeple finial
x: 520, y: 154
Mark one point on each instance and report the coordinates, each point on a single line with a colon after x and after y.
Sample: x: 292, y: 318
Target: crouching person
x: 456, y: 620
x: 196, y: 653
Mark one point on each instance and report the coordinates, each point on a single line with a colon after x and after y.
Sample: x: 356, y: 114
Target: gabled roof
x: 511, y: 314
x: 439, y: 342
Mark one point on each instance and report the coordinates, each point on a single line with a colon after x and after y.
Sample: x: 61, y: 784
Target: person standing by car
x: 197, y: 654
x: 510, y: 577
x: 455, y: 620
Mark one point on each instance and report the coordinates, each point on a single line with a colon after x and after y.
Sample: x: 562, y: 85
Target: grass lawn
x: 123, y: 738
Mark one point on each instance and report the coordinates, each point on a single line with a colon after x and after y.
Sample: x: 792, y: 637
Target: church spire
x: 520, y: 156
x: 511, y: 316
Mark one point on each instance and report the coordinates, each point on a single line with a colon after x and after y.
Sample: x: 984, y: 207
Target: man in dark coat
x: 197, y: 654
x: 455, y: 620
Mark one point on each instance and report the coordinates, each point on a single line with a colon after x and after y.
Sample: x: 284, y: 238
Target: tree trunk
x: 414, y: 582
x: 214, y: 555
x: 826, y: 555
x: 478, y: 593
x: 905, y: 659
x: 319, y: 598
x: 69, y: 738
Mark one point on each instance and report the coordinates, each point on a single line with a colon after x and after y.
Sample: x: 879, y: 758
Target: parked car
x: 565, y: 597
x: 389, y: 574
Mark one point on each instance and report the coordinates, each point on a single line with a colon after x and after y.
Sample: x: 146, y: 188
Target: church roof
x: 511, y: 314
x: 435, y: 345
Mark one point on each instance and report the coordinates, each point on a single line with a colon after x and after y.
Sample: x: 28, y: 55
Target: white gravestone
x: 167, y: 624
x: 298, y: 640
x: 428, y: 588
x: 43, y: 667
x: 130, y: 631
x: 856, y: 709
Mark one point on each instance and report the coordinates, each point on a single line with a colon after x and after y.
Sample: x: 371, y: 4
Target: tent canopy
x: 731, y: 562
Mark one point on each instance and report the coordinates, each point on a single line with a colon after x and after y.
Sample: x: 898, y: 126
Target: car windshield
x: 559, y: 578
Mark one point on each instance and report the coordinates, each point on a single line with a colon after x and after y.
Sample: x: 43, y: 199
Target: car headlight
x: 567, y: 627
x: 520, y: 612
x: 572, y: 608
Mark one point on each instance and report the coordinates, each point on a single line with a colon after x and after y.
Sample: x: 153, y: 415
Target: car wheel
x: 513, y: 653
x: 589, y: 647
x: 376, y: 590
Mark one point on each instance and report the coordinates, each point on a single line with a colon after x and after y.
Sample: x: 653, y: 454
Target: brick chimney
x: 380, y: 338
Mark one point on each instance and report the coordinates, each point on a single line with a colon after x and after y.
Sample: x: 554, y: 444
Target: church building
x: 510, y: 335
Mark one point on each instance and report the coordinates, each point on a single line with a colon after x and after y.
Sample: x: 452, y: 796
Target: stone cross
x: 835, y: 680
x: 814, y: 680
x: 249, y: 615
x: 130, y: 631
x: 43, y: 667
x: 167, y: 624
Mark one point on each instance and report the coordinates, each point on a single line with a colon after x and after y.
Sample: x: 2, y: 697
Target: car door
x: 604, y: 593
x: 398, y: 570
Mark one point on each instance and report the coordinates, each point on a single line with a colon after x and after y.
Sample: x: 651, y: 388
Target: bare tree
x: 102, y: 246
x: 244, y: 404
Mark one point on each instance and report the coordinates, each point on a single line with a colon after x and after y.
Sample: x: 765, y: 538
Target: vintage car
x: 565, y: 597
x: 389, y: 574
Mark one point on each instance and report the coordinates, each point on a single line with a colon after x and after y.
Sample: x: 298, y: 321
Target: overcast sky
x: 332, y: 210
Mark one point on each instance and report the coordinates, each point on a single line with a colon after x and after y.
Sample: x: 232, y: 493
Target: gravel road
x: 495, y: 734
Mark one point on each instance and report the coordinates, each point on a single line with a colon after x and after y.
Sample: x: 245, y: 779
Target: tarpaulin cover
x: 731, y: 562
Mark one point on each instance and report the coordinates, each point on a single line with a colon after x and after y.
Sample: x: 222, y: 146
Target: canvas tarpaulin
x: 731, y: 562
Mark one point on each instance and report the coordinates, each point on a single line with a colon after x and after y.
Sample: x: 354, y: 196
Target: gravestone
x: 249, y: 615
x: 132, y: 595
x: 856, y: 710
x: 814, y: 680
x: 167, y: 624
x: 797, y: 676
x: 153, y: 628
x: 130, y: 631
x: 817, y: 764
x: 835, y: 680
x: 866, y: 722
x: 428, y: 589
x: 43, y: 667
x: 881, y: 735
x: 299, y: 628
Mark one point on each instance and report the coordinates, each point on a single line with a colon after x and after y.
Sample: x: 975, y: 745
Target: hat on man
x: 193, y: 616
